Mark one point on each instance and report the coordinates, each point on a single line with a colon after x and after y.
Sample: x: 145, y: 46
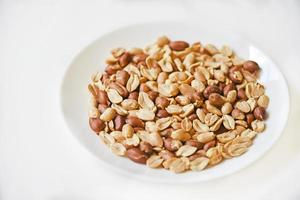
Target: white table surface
x: 39, y: 158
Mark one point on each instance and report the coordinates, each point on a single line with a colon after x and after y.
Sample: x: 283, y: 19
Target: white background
x: 39, y: 158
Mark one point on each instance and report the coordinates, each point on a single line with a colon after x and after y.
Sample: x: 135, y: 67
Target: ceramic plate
x: 75, y: 96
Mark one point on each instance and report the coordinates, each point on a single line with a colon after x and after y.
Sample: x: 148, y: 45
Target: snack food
x: 178, y: 106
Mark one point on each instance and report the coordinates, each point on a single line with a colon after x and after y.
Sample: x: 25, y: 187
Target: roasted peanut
x: 135, y: 122
x: 228, y: 88
x: 133, y: 95
x: 162, y: 113
x: 216, y: 99
x: 122, y: 77
x: 211, y: 89
x: 146, y: 147
x: 96, y: 124
x: 161, y: 102
x: 119, y: 121
x: 124, y: 59
x: 136, y: 155
x: 260, y: 113
x: 251, y: 66
x: 178, y: 45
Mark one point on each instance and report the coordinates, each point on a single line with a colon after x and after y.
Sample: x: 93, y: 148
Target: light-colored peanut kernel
x: 181, y: 135
x: 108, y: 114
x: 114, y: 96
x: 258, y: 126
x: 199, y: 163
x: 118, y: 149
x: 206, y: 137
x: 133, y: 82
x: 228, y: 122
x: 154, y: 161
x: 174, y: 109
x: 263, y: 101
x: 186, y: 150
x: 145, y: 114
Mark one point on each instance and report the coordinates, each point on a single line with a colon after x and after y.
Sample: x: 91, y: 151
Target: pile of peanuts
x: 176, y: 105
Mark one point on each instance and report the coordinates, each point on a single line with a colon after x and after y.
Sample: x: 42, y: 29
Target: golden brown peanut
x: 136, y: 155
x: 102, y: 97
x: 122, y: 77
x: 135, y: 122
x: 161, y: 102
x: 108, y: 114
x: 102, y: 107
x: 119, y: 121
x: 120, y: 88
x: 211, y: 89
x: 216, y: 99
x: 260, y: 113
x: 251, y: 66
x: 146, y: 147
x: 228, y: 88
x: 242, y: 94
x: 178, y: 45
x: 194, y: 143
x: 96, y: 124
x: 124, y: 59
x: 133, y: 95
x: 166, y: 155
x: 162, y: 113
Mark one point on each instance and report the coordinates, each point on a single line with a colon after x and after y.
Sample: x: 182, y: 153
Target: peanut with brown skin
x: 167, y: 132
x: 136, y: 155
x: 144, y: 88
x: 209, y: 145
x: 102, y: 97
x: 133, y: 95
x: 251, y: 66
x: 119, y: 121
x: 162, y: 77
x: 165, y: 154
x: 250, y: 118
x: 242, y: 94
x: 199, y: 153
x: 146, y: 147
x: 236, y: 76
x: 120, y: 88
x: 139, y: 58
x: 168, y: 144
x: 122, y: 77
x: 102, y: 108
x: 96, y: 124
x: 192, y: 117
x: 237, y: 114
x: 111, y: 69
x: 162, y: 113
x: 178, y: 45
x: 216, y: 99
x: 135, y: 122
x: 228, y: 88
x: 260, y: 113
x: 162, y: 102
x: 211, y: 89
x: 124, y: 59
x: 153, y: 95
x: 194, y: 143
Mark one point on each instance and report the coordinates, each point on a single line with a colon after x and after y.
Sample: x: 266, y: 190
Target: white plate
x: 74, y: 96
